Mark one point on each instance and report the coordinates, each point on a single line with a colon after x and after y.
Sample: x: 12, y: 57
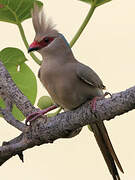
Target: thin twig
x: 7, y: 115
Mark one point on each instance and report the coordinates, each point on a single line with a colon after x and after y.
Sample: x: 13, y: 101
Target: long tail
x: 107, y: 149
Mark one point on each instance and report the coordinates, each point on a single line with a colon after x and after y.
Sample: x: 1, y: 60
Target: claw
x: 107, y: 93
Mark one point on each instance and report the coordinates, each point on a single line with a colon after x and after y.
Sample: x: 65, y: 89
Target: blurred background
x: 108, y: 46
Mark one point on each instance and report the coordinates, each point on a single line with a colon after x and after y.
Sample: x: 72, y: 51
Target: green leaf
x: 99, y: 2
x: 21, y: 74
x: 16, y: 11
x: 45, y: 102
x: 13, y: 56
x: 87, y: 1
x: 54, y: 113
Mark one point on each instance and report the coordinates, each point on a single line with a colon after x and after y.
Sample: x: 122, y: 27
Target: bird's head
x: 46, y: 34
x: 47, y: 39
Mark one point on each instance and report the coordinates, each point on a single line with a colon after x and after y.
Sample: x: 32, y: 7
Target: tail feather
x: 109, y: 145
x: 106, y: 148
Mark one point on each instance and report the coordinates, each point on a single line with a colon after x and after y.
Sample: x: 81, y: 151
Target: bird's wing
x: 89, y: 76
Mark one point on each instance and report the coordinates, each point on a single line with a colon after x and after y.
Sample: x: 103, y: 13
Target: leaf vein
x: 21, y: 1
x: 24, y: 11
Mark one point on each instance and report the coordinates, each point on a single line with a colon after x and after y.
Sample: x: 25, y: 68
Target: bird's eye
x: 46, y: 40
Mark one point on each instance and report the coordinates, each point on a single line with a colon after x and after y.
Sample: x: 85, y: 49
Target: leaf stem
x: 23, y: 35
x: 85, y: 22
x: 26, y: 43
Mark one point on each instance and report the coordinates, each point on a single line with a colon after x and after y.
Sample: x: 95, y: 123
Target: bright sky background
x: 108, y: 46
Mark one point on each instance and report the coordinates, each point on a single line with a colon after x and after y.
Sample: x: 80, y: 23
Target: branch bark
x: 42, y: 131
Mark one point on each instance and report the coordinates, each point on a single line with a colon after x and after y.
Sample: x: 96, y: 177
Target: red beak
x: 34, y: 46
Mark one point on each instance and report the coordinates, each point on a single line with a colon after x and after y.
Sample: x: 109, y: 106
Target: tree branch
x: 42, y: 131
x: 7, y: 115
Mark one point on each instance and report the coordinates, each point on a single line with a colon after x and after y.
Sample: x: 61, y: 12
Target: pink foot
x: 93, y: 104
x: 93, y: 101
x: 35, y: 115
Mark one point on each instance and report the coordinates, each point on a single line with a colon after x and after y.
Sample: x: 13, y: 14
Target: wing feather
x: 89, y: 76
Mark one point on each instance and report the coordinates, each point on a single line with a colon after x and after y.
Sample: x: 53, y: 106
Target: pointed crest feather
x: 40, y: 23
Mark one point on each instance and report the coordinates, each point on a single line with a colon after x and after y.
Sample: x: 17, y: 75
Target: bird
x: 69, y: 82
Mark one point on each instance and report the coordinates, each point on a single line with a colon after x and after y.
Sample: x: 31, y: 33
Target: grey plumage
x: 69, y: 82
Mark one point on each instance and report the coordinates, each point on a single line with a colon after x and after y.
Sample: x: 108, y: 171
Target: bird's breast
x: 63, y: 85
x: 59, y: 82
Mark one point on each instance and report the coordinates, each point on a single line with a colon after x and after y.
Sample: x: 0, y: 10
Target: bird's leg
x: 35, y: 115
x: 93, y: 101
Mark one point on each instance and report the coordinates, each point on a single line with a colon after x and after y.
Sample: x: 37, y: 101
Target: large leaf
x: 13, y: 56
x: 22, y: 75
x: 99, y: 2
x: 15, y: 11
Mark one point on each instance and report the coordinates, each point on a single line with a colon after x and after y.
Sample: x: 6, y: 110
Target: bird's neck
x: 61, y: 55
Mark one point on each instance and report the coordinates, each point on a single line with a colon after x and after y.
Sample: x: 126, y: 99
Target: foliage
x: 98, y: 2
x: 45, y: 102
x: 16, y: 11
x: 14, y: 60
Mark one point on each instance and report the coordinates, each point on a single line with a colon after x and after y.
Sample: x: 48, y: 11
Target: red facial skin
x: 43, y: 43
